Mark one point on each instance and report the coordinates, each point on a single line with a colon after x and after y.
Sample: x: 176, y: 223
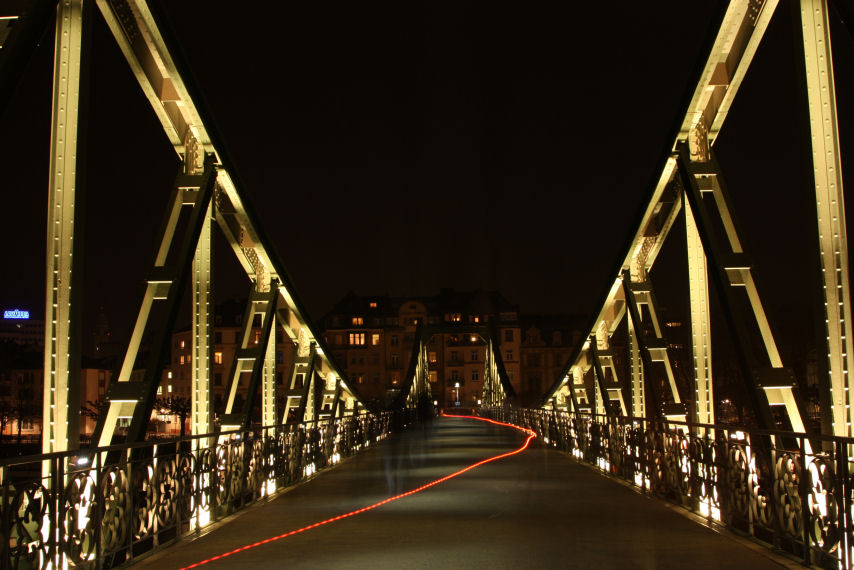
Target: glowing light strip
x: 531, y: 435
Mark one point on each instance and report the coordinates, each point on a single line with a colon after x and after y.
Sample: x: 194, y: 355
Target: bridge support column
x: 830, y: 207
x: 268, y: 378
x: 201, y: 418
x: 61, y: 386
x: 701, y: 335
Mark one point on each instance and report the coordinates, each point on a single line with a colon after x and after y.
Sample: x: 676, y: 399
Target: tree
x: 178, y: 406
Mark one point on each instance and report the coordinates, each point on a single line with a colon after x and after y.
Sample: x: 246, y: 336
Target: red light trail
x: 531, y: 435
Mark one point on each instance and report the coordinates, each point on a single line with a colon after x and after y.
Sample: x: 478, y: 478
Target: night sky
x: 401, y: 147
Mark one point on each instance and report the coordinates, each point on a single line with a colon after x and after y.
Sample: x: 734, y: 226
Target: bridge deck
x: 536, y: 509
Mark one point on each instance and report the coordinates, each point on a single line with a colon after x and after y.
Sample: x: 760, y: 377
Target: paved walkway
x: 537, y: 509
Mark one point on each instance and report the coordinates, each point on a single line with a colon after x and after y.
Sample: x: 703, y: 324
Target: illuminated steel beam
x: 738, y: 32
x: 201, y: 414
x: 128, y: 395
x: 145, y: 47
x: 701, y: 334
x: 61, y: 386
x: 250, y: 358
x: 830, y: 208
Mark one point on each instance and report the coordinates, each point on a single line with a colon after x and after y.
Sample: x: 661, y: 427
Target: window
x: 375, y: 339
x: 456, y: 317
x: 217, y: 357
x: 395, y: 360
x: 169, y: 388
x: 534, y: 360
x: 358, y: 321
x: 455, y: 375
x: 434, y: 376
x: 182, y: 344
x: 508, y: 355
x: 181, y: 359
x: 395, y: 340
x: 431, y: 357
x: 159, y: 390
x: 395, y: 378
x: 357, y: 339
x: 474, y: 356
x: 218, y: 338
x: 169, y: 375
x: 475, y: 376
x: 372, y: 304
x: 360, y: 379
x: 376, y: 377
x: 476, y: 319
x: 473, y: 338
x: 376, y: 358
x: 508, y: 335
x: 453, y: 355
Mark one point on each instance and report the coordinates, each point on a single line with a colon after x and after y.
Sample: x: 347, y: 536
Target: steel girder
x: 497, y: 388
x: 737, y: 37
x: 146, y: 47
x: 62, y: 346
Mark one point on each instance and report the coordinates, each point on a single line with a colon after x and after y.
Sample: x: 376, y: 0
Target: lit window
x: 358, y: 321
x: 373, y: 304
x: 473, y: 338
x: 169, y: 375
x: 357, y: 339
x: 475, y: 376
x: 217, y: 358
x: 431, y: 357
x: 395, y: 378
x: 434, y: 376
x: 375, y: 339
x: 183, y: 344
x: 181, y: 359
x: 476, y: 319
x: 509, y: 355
x: 159, y: 390
x: 169, y: 388
x: 456, y: 317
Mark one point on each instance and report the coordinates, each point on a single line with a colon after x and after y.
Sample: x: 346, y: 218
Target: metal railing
x: 102, y: 508
x: 789, y: 491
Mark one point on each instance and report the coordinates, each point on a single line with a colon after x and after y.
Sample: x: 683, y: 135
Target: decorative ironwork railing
x: 790, y: 491
x: 102, y: 508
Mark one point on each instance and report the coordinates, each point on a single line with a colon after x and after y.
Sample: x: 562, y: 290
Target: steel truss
x: 690, y: 181
x: 207, y: 187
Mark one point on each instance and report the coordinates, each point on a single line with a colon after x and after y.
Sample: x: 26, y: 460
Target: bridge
x: 780, y: 479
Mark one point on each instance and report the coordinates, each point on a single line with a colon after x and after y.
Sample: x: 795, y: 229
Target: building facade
x: 372, y: 338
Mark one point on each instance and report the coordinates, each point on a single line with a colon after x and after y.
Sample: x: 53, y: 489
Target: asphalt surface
x: 537, y: 509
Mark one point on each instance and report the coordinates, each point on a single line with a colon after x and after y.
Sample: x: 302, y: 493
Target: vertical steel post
x: 202, y: 418
x: 701, y: 335
x: 60, y: 229
x: 830, y: 207
x: 268, y: 382
x: 636, y: 366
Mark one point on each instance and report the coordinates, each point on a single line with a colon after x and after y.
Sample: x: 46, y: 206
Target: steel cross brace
x: 167, y: 281
x: 263, y: 304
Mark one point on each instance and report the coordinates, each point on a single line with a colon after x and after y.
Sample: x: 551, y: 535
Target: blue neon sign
x: 17, y: 314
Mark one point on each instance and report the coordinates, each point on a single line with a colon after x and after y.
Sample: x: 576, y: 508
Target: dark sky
x: 404, y: 147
